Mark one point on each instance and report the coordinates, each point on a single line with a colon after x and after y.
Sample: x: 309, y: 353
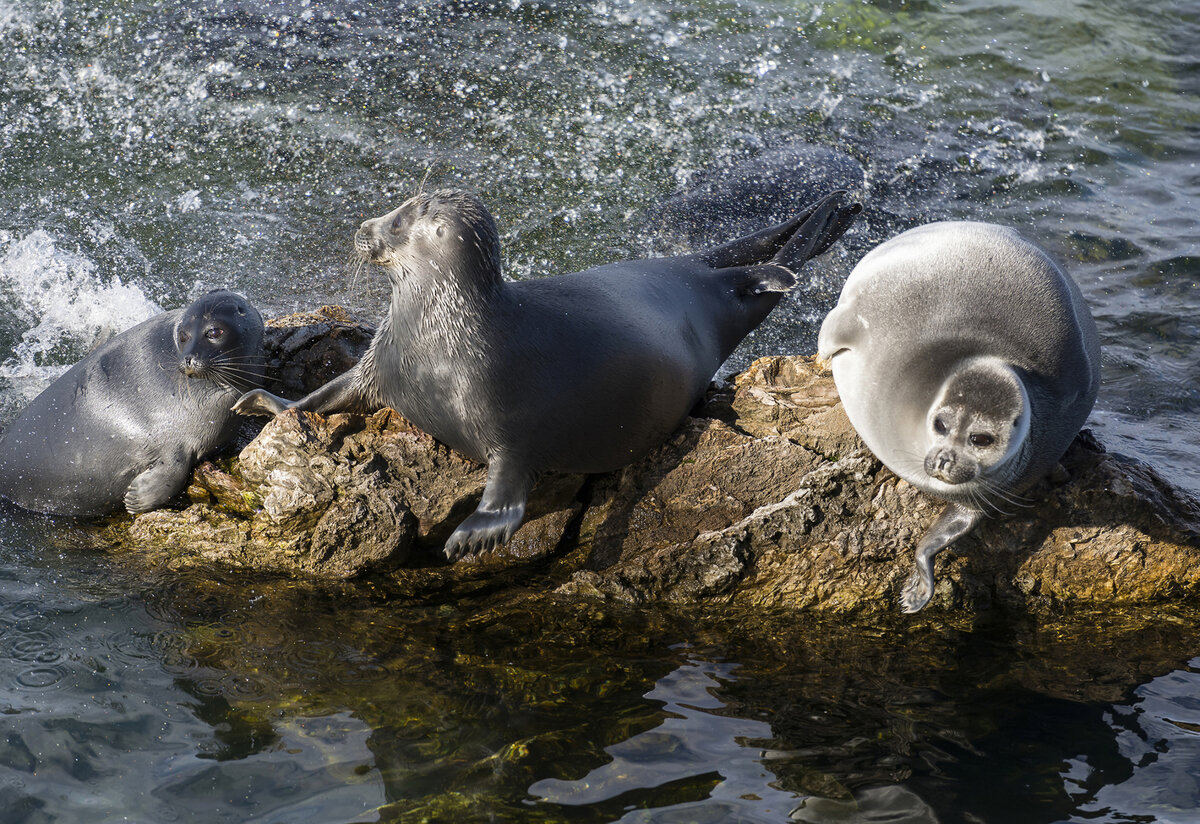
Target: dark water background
x: 151, y: 151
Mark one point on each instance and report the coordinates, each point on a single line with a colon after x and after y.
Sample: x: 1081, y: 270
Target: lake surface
x: 152, y: 151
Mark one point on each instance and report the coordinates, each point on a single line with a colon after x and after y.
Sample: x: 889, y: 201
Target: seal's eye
x: 982, y: 440
x: 214, y: 333
x: 184, y: 337
x: 440, y: 230
x: 939, y: 426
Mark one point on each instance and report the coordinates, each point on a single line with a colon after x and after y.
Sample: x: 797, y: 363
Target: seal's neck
x: 441, y: 305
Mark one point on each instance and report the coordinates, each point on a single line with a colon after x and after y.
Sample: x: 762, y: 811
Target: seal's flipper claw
x: 482, y: 532
x: 260, y: 402
x: 954, y: 522
x: 917, y: 590
x: 499, y: 514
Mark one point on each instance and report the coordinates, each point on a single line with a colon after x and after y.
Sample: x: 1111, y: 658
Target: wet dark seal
x: 125, y: 426
x: 583, y: 372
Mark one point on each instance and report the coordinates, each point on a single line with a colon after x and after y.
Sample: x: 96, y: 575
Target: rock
x: 340, y: 495
x: 765, y: 498
x: 821, y: 524
x: 307, y: 350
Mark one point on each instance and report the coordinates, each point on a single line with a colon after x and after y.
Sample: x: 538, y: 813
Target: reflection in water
x: 1158, y: 733
x: 206, y: 695
x: 713, y: 757
x: 702, y: 748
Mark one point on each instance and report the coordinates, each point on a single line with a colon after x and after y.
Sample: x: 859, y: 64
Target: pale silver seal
x: 967, y: 361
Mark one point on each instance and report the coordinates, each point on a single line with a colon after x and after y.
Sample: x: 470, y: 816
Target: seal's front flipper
x: 156, y: 486
x: 260, y: 402
x: 954, y: 522
x: 499, y: 513
x: 342, y: 394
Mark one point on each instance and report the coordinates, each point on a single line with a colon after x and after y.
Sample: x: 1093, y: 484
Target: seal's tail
x: 792, y: 243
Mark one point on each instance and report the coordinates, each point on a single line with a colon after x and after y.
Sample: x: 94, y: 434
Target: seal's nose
x: 940, y: 463
x: 362, y: 239
x: 192, y: 365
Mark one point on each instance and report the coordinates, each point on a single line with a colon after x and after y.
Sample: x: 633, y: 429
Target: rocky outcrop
x: 765, y: 497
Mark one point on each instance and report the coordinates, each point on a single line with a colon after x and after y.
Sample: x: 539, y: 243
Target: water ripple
x: 43, y: 678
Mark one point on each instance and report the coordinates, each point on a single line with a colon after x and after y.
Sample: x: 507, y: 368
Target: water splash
x: 59, y: 309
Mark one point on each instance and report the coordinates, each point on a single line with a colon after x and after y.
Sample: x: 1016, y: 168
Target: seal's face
x: 978, y: 423
x: 218, y: 338
x: 448, y: 232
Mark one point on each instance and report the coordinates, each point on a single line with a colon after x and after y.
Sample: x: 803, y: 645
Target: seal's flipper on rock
x: 499, y: 513
x: 954, y: 522
x: 160, y: 483
x: 260, y: 402
x: 342, y: 394
x: 767, y: 244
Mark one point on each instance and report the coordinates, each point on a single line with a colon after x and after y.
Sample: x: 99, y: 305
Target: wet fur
x: 583, y: 372
x: 125, y: 425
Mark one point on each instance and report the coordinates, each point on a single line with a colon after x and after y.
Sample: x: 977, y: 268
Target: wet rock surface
x: 764, y: 498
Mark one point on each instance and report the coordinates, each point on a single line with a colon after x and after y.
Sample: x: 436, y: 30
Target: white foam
x: 11, y: 17
x: 62, y: 303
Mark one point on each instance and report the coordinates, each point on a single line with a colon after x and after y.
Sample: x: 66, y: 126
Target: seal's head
x: 219, y: 338
x: 448, y: 232
x: 978, y: 423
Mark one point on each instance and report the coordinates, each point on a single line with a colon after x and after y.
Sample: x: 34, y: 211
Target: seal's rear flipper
x: 766, y: 244
x: 759, y: 280
x: 825, y: 225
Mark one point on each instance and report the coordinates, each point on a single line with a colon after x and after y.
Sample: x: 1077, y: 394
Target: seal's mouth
x: 195, y: 368
x: 948, y: 466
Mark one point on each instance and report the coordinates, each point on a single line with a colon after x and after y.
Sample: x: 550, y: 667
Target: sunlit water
x: 151, y: 151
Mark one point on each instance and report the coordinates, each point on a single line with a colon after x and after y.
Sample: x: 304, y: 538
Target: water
x: 151, y: 151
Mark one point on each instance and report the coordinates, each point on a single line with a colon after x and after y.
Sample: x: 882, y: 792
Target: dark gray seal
x: 126, y: 425
x: 583, y: 372
x: 967, y: 361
